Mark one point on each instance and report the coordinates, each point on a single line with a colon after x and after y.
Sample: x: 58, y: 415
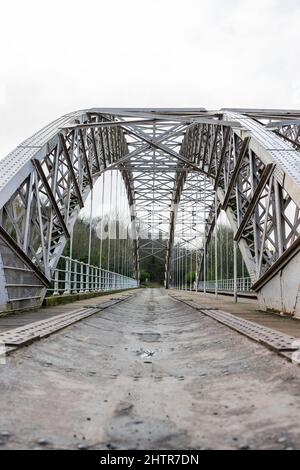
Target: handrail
x: 243, y: 284
x: 78, y: 277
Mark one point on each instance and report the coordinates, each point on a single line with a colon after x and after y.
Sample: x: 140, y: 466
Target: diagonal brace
x: 37, y: 165
x: 257, y: 193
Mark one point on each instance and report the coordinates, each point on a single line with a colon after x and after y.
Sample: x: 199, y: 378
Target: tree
x: 144, y: 276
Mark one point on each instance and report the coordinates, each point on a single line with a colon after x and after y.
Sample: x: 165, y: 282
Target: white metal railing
x: 243, y: 284
x: 77, y: 277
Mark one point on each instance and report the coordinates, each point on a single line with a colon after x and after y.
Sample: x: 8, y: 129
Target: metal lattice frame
x: 250, y: 159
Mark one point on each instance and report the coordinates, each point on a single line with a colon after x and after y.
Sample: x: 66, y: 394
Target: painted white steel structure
x: 250, y: 160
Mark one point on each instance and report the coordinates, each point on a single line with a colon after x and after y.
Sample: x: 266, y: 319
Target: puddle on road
x: 149, y: 337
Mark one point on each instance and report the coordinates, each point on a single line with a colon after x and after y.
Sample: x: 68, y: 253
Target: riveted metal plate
x: 274, y: 339
x: 26, y: 334
x: 283, y: 154
x: 268, y: 336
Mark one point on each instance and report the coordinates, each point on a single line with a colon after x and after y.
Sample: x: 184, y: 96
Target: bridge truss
x: 182, y: 168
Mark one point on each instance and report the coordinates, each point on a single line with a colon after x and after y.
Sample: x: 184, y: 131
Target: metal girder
x: 166, y: 150
x: 237, y: 175
x: 86, y: 161
x: 171, y: 160
x: 22, y: 256
x: 222, y: 158
x: 278, y: 265
x: 50, y: 195
x: 235, y: 172
x: 178, y: 186
x: 71, y: 170
x: 253, y: 201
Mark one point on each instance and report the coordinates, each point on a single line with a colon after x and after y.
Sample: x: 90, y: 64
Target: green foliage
x: 121, y: 255
x: 225, y: 256
x: 120, y: 252
x: 155, y: 267
x: 144, y: 276
x: 190, y: 277
x: 225, y: 259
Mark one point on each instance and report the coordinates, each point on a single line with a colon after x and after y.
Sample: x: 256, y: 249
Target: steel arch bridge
x: 244, y: 162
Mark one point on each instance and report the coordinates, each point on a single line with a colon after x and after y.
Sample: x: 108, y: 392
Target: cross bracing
x: 180, y: 167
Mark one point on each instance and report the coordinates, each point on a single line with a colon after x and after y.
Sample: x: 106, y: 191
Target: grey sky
x: 61, y: 55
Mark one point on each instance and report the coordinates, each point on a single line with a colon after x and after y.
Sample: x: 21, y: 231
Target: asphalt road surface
x: 148, y: 373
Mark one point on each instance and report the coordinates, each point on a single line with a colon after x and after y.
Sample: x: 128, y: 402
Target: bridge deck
x: 149, y: 372
x: 245, y: 308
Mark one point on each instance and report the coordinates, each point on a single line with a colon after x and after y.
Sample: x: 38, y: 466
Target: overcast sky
x: 62, y: 55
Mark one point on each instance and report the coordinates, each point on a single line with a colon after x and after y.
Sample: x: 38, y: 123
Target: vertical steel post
x: 186, y: 269
x: 75, y: 277
x: 90, y: 231
x: 67, y: 276
x: 56, y: 282
x: 81, y: 278
x: 235, y: 271
x: 204, y: 265
x: 99, y: 279
x: 278, y: 210
x: 87, y: 277
x: 101, y: 221
x: 216, y: 245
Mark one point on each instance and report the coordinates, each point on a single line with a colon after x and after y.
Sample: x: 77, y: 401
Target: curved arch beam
x: 254, y: 168
x: 44, y: 183
x: 256, y: 175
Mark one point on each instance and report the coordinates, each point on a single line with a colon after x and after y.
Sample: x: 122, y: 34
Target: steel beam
x: 260, y: 187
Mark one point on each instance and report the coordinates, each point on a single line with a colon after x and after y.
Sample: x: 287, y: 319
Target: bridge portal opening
x: 172, y: 177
